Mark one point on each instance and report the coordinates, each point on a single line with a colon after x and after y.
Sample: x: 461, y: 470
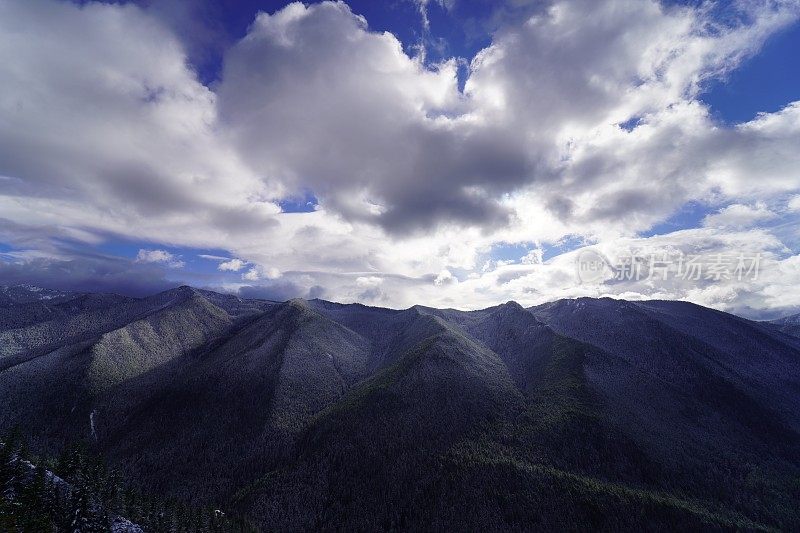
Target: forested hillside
x: 311, y: 415
x: 78, y: 492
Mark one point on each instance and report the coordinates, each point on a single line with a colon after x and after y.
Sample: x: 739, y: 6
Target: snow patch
x: 123, y: 525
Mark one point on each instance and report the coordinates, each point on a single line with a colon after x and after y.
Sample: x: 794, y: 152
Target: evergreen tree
x: 6, y: 476
x: 12, y: 482
x: 34, y: 512
x: 132, y: 507
x: 86, y: 516
x: 31, y: 500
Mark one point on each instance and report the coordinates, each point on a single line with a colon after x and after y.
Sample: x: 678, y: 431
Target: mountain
x: 70, y: 359
x: 576, y: 414
x: 789, y: 325
x: 22, y: 294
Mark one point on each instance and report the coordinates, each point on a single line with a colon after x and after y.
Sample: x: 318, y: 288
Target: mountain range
x: 585, y: 413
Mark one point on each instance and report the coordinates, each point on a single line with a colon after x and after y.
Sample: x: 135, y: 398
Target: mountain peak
x: 299, y: 303
x: 512, y: 304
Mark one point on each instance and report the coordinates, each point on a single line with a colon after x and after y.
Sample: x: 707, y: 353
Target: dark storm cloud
x: 91, y: 274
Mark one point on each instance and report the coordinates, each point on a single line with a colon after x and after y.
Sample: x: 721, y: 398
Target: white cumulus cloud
x: 159, y: 256
x: 232, y: 265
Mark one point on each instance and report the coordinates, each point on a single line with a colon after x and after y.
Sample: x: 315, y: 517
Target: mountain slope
x: 34, y: 328
x: 380, y: 445
x: 731, y: 366
x: 577, y: 414
x: 233, y: 406
x: 67, y: 380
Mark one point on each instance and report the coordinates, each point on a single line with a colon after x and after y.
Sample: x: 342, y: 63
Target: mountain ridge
x: 313, y: 414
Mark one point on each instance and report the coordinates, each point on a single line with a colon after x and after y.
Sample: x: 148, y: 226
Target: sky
x: 451, y: 153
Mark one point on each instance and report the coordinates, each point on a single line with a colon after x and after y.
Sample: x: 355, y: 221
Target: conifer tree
x: 87, y: 517
x: 33, y: 500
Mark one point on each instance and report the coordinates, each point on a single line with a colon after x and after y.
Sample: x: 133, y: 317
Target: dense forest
x: 77, y: 492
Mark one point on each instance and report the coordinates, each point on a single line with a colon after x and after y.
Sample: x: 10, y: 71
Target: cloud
x: 260, y: 272
x: 422, y: 8
x: 232, y: 265
x: 534, y: 257
x: 539, y: 116
x: 569, y: 77
x: 251, y: 275
x: 762, y: 289
x: 105, y: 126
x: 580, y: 120
x: 89, y: 273
x: 445, y: 277
x: 396, y: 160
x: 739, y: 216
x: 159, y: 256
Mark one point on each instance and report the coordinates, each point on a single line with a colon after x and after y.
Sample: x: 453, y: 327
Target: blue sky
x: 762, y: 84
x: 458, y: 31
x: 463, y: 158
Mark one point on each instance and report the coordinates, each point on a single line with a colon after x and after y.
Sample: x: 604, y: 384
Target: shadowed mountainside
x: 789, y: 325
x: 575, y: 414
